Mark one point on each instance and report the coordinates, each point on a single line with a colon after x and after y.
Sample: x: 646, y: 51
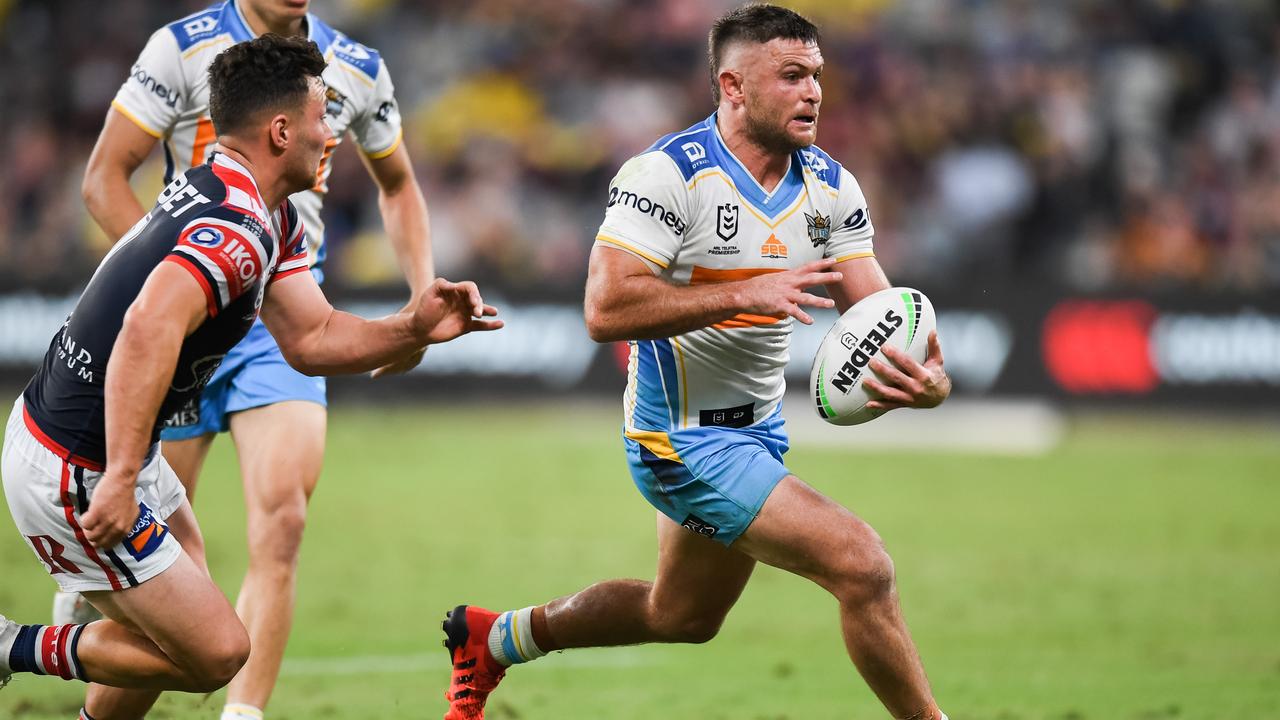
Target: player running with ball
x: 708, y: 242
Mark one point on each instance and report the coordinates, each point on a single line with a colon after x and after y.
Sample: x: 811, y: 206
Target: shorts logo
x: 146, y: 535
x: 207, y: 237
x: 727, y: 221
x: 700, y: 526
x: 819, y: 228
x: 51, y: 552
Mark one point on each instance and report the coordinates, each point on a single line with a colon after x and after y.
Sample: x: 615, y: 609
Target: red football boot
x: 475, y: 671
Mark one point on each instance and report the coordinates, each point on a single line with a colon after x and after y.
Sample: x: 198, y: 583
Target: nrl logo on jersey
x: 727, y: 221
x: 819, y: 228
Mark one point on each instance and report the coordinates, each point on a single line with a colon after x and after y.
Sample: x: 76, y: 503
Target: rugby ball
x: 900, y: 316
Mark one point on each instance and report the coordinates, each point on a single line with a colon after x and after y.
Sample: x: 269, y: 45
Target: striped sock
x: 48, y: 650
x: 240, y: 711
x: 511, y: 638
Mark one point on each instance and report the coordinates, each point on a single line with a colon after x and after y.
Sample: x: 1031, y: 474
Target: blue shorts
x: 253, y: 374
x: 711, y: 480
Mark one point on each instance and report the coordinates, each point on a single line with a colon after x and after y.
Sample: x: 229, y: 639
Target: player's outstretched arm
x: 121, y: 148
x: 905, y: 382
x: 625, y: 301
x: 169, y: 307
x: 318, y: 339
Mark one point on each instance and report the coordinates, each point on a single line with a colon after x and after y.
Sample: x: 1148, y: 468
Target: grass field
x: 1132, y: 573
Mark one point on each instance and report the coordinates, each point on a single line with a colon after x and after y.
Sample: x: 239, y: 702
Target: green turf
x: 1130, y: 574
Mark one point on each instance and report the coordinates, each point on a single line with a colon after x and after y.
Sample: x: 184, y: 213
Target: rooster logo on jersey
x: 819, y: 228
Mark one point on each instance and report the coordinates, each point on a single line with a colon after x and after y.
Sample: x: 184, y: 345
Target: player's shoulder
x: 218, y: 21
x: 343, y: 51
x: 687, y: 149
x: 821, y: 166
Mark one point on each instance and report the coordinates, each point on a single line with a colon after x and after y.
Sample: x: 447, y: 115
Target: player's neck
x: 261, y: 25
x: 768, y: 168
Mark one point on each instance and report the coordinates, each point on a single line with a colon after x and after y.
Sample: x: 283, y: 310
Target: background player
x: 276, y: 415
x: 165, y: 305
x: 708, y: 242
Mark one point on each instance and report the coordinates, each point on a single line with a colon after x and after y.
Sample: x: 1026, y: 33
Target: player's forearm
x: 408, y: 225
x: 110, y: 200
x: 138, y: 375
x: 647, y: 308
x: 347, y: 344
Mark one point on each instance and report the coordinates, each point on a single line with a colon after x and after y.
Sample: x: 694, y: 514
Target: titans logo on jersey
x: 212, y: 223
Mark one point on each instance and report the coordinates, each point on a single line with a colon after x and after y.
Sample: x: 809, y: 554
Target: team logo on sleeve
x: 384, y: 111
x: 727, y: 221
x: 206, y: 237
x: 819, y: 228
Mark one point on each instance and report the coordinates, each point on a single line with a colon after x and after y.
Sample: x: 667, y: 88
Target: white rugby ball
x: 900, y: 316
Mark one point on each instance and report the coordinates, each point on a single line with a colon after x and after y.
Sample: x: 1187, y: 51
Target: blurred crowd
x: 1092, y: 144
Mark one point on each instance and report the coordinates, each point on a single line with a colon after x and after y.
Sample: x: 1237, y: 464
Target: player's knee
x: 690, y: 628
x: 865, y: 572
x: 220, y: 660
x: 280, y: 533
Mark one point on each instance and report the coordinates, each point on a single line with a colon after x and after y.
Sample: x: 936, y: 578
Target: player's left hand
x: 907, y: 383
x: 112, y: 511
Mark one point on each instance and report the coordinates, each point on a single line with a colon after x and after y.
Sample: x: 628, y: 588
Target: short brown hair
x: 268, y: 72
x: 758, y: 23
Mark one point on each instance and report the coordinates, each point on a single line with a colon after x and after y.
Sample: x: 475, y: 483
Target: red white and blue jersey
x: 211, y: 222
x: 167, y: 96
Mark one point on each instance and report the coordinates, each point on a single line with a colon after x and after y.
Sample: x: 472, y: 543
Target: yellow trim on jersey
x: 658, y: 443
x: 716, y: 172
x: 684, y: 385
x: 141, y: 125
x: 631, y: 249
x: 386, y: 153
x: 220, y: 40
x: 855, y: 256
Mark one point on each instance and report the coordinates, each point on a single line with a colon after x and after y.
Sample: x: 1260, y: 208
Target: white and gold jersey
x: 167, y: 95
x: 690, y: 210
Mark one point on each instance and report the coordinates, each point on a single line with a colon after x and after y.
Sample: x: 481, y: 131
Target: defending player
x: 276, y: 415
x: 83, y: 476
x: 708, y: 242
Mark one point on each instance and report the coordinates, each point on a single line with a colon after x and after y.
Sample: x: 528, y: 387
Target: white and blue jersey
x: 694, y: 215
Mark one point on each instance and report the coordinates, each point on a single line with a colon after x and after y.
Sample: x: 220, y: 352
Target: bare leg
x: 187, y: 457
x: 804, y: 532
x: 190, y: 638
x: 697, y: 583
x: 113, y: 703
x: 281, y: 448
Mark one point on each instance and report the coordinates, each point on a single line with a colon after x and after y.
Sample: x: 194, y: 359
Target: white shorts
x: 47, y: 496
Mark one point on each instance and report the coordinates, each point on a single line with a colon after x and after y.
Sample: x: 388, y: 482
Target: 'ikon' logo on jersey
x: 773, y: 248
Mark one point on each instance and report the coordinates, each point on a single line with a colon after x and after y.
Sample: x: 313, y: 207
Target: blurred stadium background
x: 1089, y: 191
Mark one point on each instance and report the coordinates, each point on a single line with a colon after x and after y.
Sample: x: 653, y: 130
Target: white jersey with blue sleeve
x: 167, y: 96
x: 690, y: 210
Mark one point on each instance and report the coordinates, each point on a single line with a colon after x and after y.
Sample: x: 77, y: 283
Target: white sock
x: 240, y: 711
x: 511, y: 638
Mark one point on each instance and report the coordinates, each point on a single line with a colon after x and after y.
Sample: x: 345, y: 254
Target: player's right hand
x: 448, y: 310
x: 782, y: 293
x: 112, y: 511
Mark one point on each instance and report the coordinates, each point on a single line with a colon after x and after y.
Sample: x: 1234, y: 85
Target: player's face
x: 312, y: 134
x: 782, y: 93
x: 278, y: 12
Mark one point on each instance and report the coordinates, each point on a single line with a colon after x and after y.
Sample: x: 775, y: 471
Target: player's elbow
x: 600, y: 325
x: 302, y: 361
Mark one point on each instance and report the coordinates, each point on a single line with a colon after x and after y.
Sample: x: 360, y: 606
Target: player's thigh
x: 186, y: 457
x: 182, y: 612
x: 697, y: 577
x: 183, y: 525
x: 804, y: 532
x: 281, y: 449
